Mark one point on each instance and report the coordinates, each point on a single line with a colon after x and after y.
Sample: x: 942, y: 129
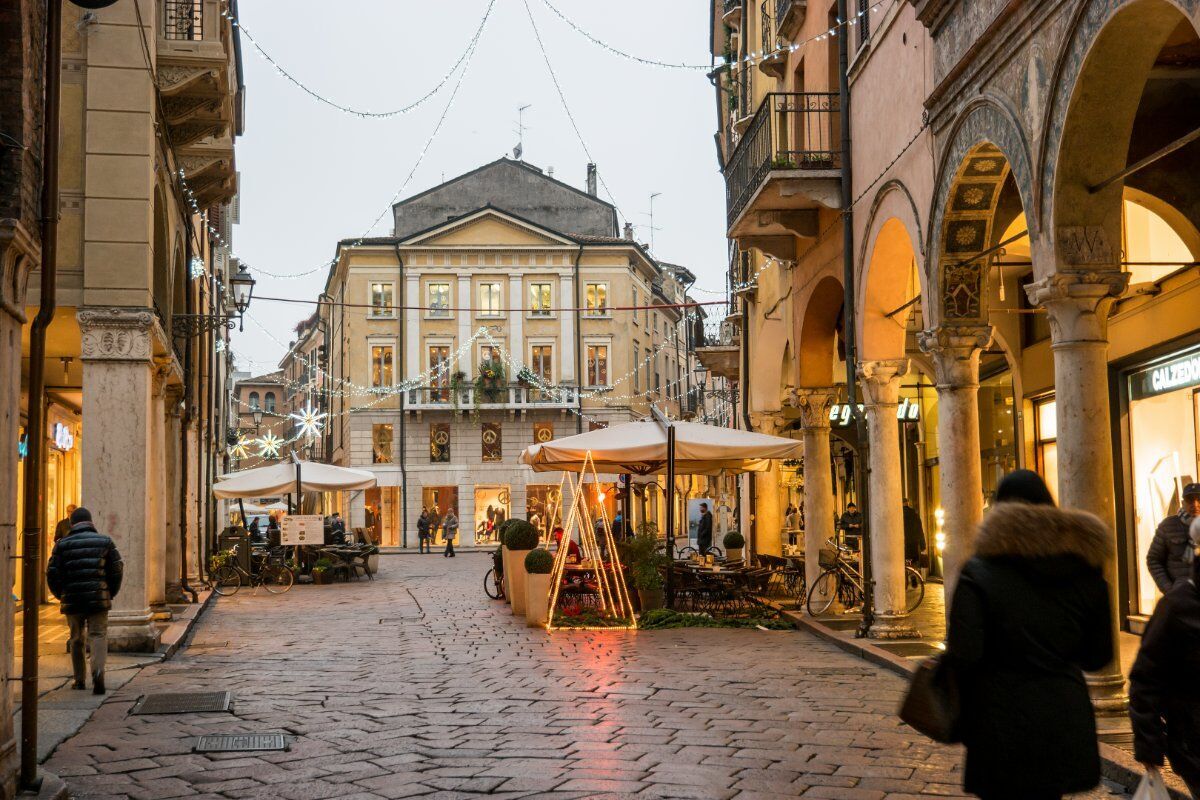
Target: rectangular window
x: 539, y: 299
x: 439, y: 299
x: 382, y: 300
x: 439, y: 443
x: 635, y: 305
x: 637, y: 368
x: 488, y: 352
x: 439, y: 373
x: 542, y: 362
x: 381, y: 444
x: 597, y: 299
x: 493, y: 445
x: 489, y: 300
x: 1045, y: 436
x: 543, y: 432
x: 597, y: 365
x: 382, y: 363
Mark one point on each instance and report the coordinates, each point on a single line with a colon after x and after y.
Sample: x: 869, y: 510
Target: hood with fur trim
x: 1029, y: 531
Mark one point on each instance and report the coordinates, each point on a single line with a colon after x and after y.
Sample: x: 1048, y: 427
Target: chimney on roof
x: 591, y: 179
x: 629, y: 231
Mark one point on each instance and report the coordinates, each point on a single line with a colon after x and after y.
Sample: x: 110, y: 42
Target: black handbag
x: 933, y: 704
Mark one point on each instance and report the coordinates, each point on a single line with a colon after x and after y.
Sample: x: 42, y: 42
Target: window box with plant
x: 538, y: 564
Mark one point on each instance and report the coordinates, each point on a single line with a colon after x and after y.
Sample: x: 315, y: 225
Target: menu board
x: 302, y: 529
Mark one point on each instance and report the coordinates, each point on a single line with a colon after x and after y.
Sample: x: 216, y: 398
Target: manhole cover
x: 182, y: 703
x: 240, y: 742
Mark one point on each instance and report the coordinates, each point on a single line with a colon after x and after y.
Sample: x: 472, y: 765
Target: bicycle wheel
x: 686, y: 553
x: 491, y: 585
x: 825, y: 590
x: 914, y: 589
x: 277, y: 580
x: 226, y: 581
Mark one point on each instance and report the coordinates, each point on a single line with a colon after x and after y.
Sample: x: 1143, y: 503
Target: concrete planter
x: 373, y: 564
x: 537, y: 600
x: 651, y: 599
x: 734, y: 554
x: 514, y: 573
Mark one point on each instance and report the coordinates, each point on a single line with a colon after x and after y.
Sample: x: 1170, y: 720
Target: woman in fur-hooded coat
x: 1029, y: 615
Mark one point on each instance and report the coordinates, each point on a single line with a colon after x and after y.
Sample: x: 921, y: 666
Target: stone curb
x: 1116, y: 764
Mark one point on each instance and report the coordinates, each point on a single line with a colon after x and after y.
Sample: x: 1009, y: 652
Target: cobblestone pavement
x: 417, y: 685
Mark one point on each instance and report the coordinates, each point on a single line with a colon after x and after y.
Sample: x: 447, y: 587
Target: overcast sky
x: 312, y: 175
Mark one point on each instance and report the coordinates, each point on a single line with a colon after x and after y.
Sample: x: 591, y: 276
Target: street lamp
x: 243, y: 289
x: 257, y: 414
x: 185, y: 326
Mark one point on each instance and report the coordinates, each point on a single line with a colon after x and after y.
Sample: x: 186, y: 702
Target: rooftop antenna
x: 519, y: 150
x: 651, y: 215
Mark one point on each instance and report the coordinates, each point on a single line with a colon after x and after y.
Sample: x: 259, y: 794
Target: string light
x: 364, y: 113
x: 648, y: 61
x: 755, y: 57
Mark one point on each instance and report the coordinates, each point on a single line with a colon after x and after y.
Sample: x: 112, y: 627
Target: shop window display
x: 439, y: 443
x: 493, y: 444
x: 438, y: 500
x: 492, y: 507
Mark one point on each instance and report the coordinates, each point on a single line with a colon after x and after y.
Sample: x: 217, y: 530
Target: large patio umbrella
x: 287, y: 477
x: 641, y: 448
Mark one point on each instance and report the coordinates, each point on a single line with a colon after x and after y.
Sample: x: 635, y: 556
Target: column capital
x: 955, y: 351
x: 767, y: 423
x: 813, y: 403
x: 1077, y: 303
x: 119, y: 334
x: 880, y: 381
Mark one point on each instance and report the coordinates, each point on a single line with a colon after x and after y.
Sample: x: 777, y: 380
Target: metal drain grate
x: 240, y: 742
x: 182, y: 703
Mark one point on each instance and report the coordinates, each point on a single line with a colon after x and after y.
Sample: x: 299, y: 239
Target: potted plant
x: 519, y: 538
x: 458, y: 382
x: 320, y: 571
x: 538, y: 565
x: 489, y: 383
x: 646, y: 565
x: 734, y: 542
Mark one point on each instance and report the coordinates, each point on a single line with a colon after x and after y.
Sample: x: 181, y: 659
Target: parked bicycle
x: 493, y: 581
x: 841, y: 581
x: 269, y: 573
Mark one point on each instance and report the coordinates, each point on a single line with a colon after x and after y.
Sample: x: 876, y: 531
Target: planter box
x: 373, y: 564
x: 537, y: 600
x: 321, y: 578
x: 507, y: 560
x: 514, y: 573
x: 734, y: 554
x: 651, y: 599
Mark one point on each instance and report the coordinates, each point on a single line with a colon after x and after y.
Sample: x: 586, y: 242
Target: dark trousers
x: 424, y: 543
x: 449, y: 546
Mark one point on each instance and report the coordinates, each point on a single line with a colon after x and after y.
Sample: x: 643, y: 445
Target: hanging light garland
x: 647, y: 61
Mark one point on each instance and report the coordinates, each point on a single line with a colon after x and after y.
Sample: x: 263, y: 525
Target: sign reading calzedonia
x: 1167, y: 376
x: 302, y: 529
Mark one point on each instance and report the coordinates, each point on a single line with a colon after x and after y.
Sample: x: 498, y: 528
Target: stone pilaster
x: 118, y: 459
x: 156, y: 532
x: 1078, y: 303
x: 173, y: 429
x: 768, y: 516
x: 814, y: 406
x: 880, y: 382
x: 955, y: 351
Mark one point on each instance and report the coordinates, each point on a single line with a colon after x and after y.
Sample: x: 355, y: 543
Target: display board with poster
x: 302, y: 529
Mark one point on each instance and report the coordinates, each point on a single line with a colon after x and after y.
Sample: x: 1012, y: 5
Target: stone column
x: 880, y: 382
x: 814, y: 406
x: 118, y: 465
x: 156, y: 531
x: 955, y: 350
x: 768, y: 516
x: 1077, y: 303
x: 191, y: 520
x: 172, y: 426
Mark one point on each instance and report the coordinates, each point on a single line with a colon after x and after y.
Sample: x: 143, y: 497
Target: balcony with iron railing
x: 510, y: 397
x: 789, y: 17
x: 774, y: 49
x: 788, y: 162
x: 731, y: 12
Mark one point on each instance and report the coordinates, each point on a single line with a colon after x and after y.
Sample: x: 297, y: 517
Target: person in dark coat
x: 84, y: 573
x: 1166, y: 559
x: 64, y: 525
x: 851, y: 526
x: 1164, y: 694
x: 1029, y: 615
x: 256, y: 535
x: 704, y: 532
x: 915, y: 543
x: 449, y: 531
x: 423, y: 544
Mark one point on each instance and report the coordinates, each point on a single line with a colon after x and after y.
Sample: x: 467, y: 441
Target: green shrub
x: 539, y: 562
x: 520, y: 535
x: 734, y: 541
x: 501, y: 529
x: 322, y: 564
x: 646, y: 563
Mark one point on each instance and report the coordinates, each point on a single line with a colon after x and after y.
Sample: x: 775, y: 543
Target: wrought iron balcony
x: 789, y: 16
x: 183, y: 20
x: 511, y: 397
x: 793, y: 136
x: 731, y: 13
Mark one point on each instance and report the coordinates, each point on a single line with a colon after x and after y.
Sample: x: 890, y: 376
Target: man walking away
x: 449, y: 530
x: 85, y: 574
x: 64, y: 525
x: 914, y: 536
x: 1166, y: 559
x: 423, y: 545
x: 704, y: 530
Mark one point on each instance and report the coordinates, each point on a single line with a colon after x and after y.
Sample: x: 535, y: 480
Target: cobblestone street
x: 417, y: 685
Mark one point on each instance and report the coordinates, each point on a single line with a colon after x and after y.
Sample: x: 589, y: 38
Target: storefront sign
x: 907, y: 411
x: 302, y: 529
x: 1175, y: 374
x: 63, y: 438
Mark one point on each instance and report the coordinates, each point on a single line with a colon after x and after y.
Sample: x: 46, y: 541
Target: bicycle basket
x: 828, y: 558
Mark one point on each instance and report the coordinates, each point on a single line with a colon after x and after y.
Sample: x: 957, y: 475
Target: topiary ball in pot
x: 734, y: 541
x: 520, y: 535
x: 539, y: 562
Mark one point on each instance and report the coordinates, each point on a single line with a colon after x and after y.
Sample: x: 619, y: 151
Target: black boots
x: 97, y: 684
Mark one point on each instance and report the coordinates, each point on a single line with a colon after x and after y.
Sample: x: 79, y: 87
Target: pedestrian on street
x: 254, y: 532
x: 704, y: 531
x: 435, y: 522
x: 851, y: 526
x: 1030, y: 614
x: 64, y: 525
x: 339, y: 526
x: 915, y: 543
x: 273, y: 531
x: 1166, y: 559
x: 618, y: 528
x: 450, y: 531
x: 85, y: 573
x: 423, y: 545
x: 792, y: 522
x: 1164, y: 696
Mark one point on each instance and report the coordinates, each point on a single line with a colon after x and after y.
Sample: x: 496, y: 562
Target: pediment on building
x: 489, y: 227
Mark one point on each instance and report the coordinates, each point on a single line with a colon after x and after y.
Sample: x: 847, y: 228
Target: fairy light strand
x: 616, y: 51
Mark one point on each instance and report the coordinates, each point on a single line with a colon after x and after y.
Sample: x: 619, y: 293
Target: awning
x: 282, y: 479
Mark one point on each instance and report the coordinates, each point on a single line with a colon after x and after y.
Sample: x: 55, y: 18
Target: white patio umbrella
x: 292, y: 477
x: 641, y: 448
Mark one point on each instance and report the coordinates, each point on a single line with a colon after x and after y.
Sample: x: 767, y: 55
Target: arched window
x: 253, y: 400
x: 270, y: 409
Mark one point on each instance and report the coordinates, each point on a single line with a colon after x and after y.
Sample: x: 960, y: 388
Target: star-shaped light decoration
x: 309, y: 421
x: 268, y: 445
x: 242, y: 448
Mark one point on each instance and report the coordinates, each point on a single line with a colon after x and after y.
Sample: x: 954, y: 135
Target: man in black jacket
x: 1165, y: 559
x: 704, y: 531
x: 85, y: 575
